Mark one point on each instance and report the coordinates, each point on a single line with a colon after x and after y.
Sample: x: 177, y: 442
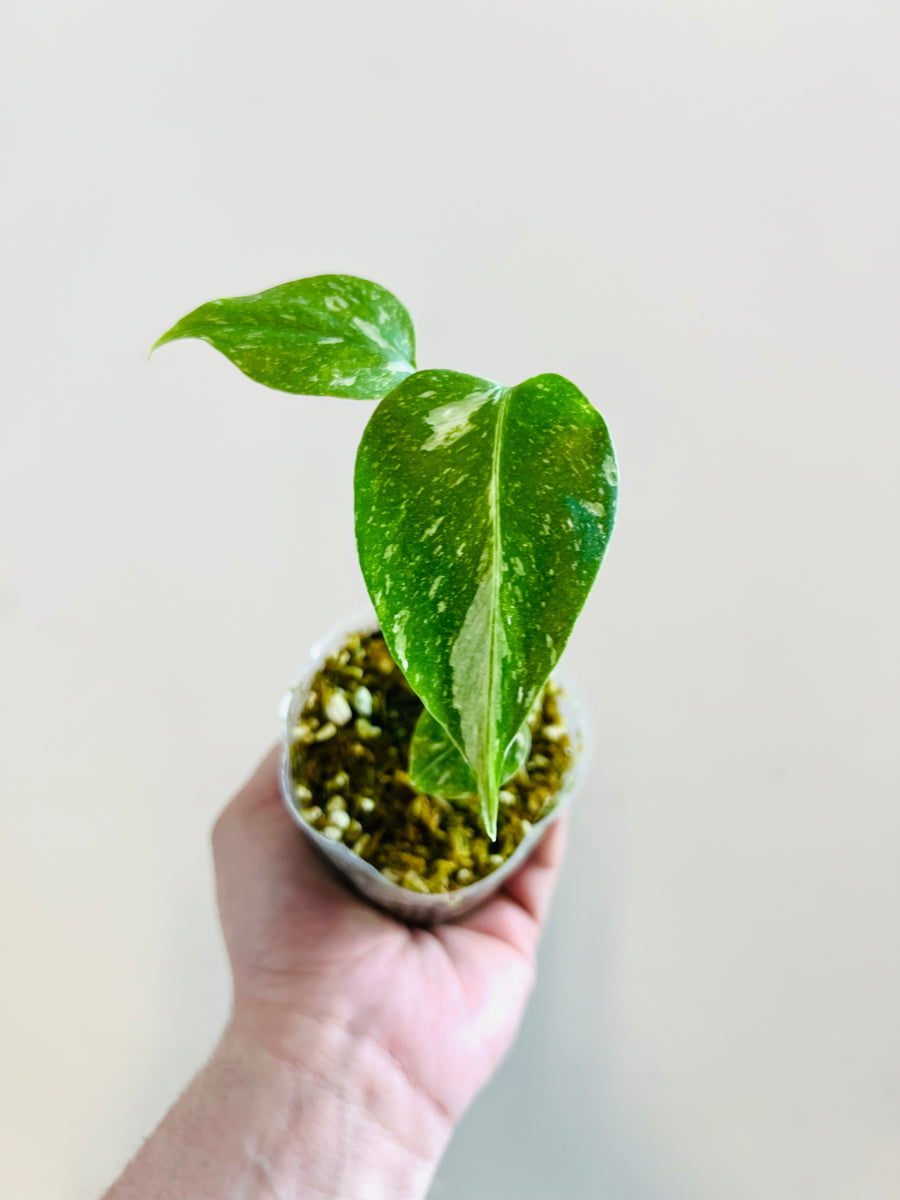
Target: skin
x: 356, y: 1043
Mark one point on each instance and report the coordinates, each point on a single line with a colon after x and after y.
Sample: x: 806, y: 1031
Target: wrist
x: 336, y: 1114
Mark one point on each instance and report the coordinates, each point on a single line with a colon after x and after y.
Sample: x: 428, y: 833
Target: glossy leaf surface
x: 330, y: 335
x: 482, y: 516
x: 437, y: 767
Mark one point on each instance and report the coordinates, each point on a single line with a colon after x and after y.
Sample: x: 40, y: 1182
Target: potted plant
x: 427, y: 744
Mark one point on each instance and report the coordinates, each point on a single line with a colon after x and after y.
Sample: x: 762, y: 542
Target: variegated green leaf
x: 330, y: 335
x: 437, y: 767
x: 482, y: 515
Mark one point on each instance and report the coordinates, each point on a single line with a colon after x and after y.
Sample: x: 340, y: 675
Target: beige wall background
x: 691, y: 210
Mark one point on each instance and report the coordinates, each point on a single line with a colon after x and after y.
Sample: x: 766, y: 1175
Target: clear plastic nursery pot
x: 415, y: 907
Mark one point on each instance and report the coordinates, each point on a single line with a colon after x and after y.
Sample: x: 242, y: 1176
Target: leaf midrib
x: 490, y: 726
x: 357, y: 339
x: 207, y: 330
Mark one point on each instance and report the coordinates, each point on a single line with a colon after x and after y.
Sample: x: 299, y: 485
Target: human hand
x: 391, y: 1030
x: 355, y: 1043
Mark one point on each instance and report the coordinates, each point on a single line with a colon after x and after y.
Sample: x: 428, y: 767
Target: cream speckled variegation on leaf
x: 482, y: 516
x: 330, y: 335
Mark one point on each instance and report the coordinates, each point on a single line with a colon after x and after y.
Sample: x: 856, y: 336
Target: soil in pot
x: 349, y: 760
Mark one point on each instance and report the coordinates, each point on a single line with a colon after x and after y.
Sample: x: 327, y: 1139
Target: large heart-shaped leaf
x: 330, y: 335
x: 437, y: 767
x: 482, y: 515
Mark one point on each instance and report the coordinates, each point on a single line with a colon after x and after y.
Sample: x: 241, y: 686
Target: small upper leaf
x: 482, y: 515
x: 437, y: 767
x: 330, y: 335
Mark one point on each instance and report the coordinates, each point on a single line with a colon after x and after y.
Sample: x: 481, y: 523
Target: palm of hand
x: 441, y: 1006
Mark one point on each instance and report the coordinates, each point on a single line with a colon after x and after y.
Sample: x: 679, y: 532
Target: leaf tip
x: 490, y: 806
x: 161, y: 341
